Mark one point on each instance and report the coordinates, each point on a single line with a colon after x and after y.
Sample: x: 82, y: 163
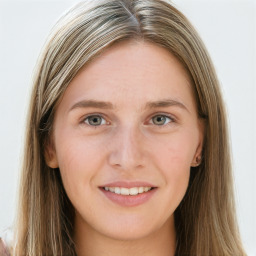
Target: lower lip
x: 128, y: 200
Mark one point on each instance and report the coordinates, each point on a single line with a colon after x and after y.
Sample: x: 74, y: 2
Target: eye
x: 95, y: 120
x: 161, y: 120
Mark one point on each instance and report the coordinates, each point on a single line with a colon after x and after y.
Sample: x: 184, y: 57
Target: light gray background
x: 228, y: 29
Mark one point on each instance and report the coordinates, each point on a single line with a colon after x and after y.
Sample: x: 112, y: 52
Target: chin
x: 129, y: 234
x: 131, y: 229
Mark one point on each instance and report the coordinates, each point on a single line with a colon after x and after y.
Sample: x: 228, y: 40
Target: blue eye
x: 95, y: 120
x: 161, y: 120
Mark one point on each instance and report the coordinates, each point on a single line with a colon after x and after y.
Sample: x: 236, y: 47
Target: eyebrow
x: 165, y: 103
x: 92, y: 104
x: 109, y: 105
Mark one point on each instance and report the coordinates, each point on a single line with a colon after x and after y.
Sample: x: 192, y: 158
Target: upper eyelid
x: 93, y: 114
x: 171, y: 116
x: 83, y: 120
x: 168, y: 116
x: 172, y: 120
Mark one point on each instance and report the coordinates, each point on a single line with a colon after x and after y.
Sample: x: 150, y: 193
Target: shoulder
x: 5, y: 242
x: 3, y: 248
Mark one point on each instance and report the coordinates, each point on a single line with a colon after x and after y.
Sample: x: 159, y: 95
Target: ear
x: 50, y: 154
x: 198, y: 154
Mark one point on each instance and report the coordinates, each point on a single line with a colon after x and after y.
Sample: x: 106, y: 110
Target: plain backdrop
x: 228, y: 29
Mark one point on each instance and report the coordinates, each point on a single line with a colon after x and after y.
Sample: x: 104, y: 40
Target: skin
x: 127, y: 144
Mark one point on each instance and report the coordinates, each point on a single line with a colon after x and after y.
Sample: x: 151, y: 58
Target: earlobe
x: 198, y: 154
x: 50, y: 155
x: 196, y: 161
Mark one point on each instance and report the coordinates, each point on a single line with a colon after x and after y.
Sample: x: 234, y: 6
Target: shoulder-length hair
x: 205, y: 219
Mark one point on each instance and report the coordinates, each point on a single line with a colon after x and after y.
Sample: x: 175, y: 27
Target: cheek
x: 175, y: 168
x: 173, y: 158
x: 176, y: 152
x: 175, y: 165
x: 77, y: 153
x: 79, y: 162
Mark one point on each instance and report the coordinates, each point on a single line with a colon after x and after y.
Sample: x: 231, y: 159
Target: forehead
x: 134, y: 72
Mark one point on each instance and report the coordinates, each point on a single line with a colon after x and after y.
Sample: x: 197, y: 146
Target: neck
x: 89, y: 242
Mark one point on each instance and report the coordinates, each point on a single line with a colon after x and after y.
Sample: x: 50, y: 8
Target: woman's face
x: 126, y: 124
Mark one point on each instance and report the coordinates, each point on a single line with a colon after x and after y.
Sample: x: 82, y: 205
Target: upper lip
x: 128, y: 184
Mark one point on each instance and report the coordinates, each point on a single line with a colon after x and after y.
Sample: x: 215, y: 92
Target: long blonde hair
x: 205, y: 220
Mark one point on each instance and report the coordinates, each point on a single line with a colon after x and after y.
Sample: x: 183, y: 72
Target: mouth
x: 128, y: 194
x: 128, y: 191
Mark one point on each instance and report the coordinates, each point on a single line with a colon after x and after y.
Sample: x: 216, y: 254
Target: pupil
x: 95, y: 120
x: 159, y: 120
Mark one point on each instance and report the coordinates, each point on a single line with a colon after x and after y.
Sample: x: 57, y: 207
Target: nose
x: 127, y: 149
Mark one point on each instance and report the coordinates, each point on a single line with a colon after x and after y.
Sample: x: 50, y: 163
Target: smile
x: 128, y: 194
x: 127, y: 191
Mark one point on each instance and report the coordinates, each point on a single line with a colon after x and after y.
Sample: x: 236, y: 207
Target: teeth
x: 141, y: 190
x: 117, y: 191
x: 134, y: 191
x: 128, y: 191
x: 125, y: 191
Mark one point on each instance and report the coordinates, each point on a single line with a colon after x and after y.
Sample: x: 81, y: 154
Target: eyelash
x: 171, y: 120
x: 85, y: 120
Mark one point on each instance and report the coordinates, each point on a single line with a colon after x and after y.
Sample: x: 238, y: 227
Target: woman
x: 126, y: 150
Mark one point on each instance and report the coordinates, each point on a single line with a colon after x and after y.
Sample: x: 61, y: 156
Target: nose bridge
x: 127, y: 148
